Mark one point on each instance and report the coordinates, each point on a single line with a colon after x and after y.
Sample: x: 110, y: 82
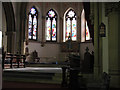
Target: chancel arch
x: 105, y: 48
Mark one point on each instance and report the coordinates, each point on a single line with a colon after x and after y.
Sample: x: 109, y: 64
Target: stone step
x: 35, y: 75
x: 32, y: 76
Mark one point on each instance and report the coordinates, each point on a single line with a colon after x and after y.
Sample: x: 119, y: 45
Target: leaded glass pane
x: 34, y: 27
x: 51, y: 13
x: 54, y: 29
x: 30, y: 33
x: 70, y: 28
x: 30, y: 27
x: 48, y: 31
x: 68, y: 23
x: 32, y: 11
x: 74, y: 29
x: 71, y: 14
x: 51, y: 29
x: 87, y: 32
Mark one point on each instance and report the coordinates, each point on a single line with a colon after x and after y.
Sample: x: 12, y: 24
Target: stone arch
x: 9, y: 13
x: 10, y: 20
x: 68, y: 10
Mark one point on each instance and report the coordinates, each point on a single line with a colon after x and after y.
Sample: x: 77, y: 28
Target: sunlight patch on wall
x: 0, y: 39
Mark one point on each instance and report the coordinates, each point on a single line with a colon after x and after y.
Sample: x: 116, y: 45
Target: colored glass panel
x: 54, y: 30
x: 70, y: 26
x: 32, y: 11
x: 68, y: 23
x: 87, y: 32
x: 48, y: 31
x: 30, y: 27
x: 74, y: 33
x: 34, y: 27
x: 51, y: 13
x: 51, y: 26
x: 32, y: 31
x: 71, y: 13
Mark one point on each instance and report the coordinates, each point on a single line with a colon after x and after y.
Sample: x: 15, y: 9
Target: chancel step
x: 35, y: 75
x: 39, y: 75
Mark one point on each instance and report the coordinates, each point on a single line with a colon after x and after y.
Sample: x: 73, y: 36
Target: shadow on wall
x: 83, y: 49
x: 88, y: 62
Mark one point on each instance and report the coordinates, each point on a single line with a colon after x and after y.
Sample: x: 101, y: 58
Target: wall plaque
x: 102, y: 30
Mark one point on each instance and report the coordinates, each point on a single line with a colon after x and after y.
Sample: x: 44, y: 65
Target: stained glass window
x: 85, y: 34
x: 70, y: 24
x: 74, y: 29
x: 51, y: 26
x: 32, y: 25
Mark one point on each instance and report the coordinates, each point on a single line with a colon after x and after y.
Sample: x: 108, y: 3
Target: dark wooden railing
x: 10, y: 60
x: 70, y: 72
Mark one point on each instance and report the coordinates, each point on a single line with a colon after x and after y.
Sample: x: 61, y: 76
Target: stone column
x: 105, y: 42
x: 113, y: 13
x: 18, y: 26
x: 78, y: 28
x: 43, y: 26
x: 100, y: 40
x: 43, y: 29
x: 96, y: 41
x: 61, y: 29
x: 11, y: 38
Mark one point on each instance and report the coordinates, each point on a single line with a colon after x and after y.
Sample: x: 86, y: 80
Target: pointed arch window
x: 33, y: 24
x: 85, y: 34
x: 70, y: 26
x: 51, y: 26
